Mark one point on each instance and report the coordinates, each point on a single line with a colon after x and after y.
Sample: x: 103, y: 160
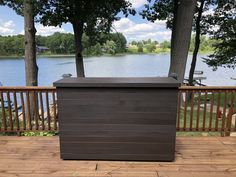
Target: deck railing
x: 28, y: 109
x: 207, y: 109
x: 200, y: 109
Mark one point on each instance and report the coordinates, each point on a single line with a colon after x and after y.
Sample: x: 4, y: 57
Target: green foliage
x: 134, y: 43
x: 220, y: 25
x: 39, y: 134
x: 95, y: 13
x: 12, y: 45
x: 165, y: 45
x: 110, y: 47
x: 62, y: 43
x: 151, y: 47
x: 223, y: 29
x: 140, y: 48
x: 206, y: 45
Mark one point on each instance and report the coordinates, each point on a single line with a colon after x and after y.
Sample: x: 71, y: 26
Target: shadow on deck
x: 40, y: 157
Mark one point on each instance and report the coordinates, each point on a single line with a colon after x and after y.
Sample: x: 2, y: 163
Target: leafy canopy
x: 97, y: 15
x: 223, y: 29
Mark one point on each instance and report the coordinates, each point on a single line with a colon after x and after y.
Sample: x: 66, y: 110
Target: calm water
x: 51, y: 69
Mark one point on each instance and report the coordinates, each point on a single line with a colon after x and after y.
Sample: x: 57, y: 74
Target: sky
x: 133, y: 27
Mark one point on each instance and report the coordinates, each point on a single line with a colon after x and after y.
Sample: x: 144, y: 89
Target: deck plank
x: 40, y: 157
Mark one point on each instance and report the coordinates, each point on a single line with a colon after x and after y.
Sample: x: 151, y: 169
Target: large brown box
x: 117, y: 118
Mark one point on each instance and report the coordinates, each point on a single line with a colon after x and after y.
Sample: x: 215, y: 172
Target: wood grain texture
x: 120, y: 120
x: 40, y: 157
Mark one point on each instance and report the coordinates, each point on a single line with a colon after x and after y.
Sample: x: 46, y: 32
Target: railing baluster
x: 3, y: 112
x: 42, y: 110
x: 16, y: 111
x: 230, y: 114
x: 23, y: 109
x: 211, y: 110
x: 54, y: 110
x: 198, y: 110
x: 224, y: 112
x: 28, y: 110
x: 192, y: 107
x: 185, y: 110
x: 48, y: 111
x: 218, y: 111
x: 204, y: 114
x: 36, y: 111
x: 10, y: 110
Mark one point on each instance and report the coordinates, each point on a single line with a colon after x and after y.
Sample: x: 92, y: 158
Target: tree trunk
x: 197, y: 43
x: 31, y: 68
x: 174, y: 25
x: 182, y: 35
x: 78, y: 33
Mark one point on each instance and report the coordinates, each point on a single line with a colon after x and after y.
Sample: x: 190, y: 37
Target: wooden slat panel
x: 117, y: 113
x: 179, y: 109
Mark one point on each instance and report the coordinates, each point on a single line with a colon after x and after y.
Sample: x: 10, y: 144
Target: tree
x: 179, y: 15
x: 151, y: 46
x: 28, y: 9
x: 165, y: 45
x: 140, y: 47
x: 223, y: 29
x: 180, y: 41
x: 110, y: 47
x: 197, y: 42
x: 31, y: 67
x: 92, y: 16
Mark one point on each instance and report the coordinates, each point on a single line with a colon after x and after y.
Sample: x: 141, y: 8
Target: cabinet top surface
x: 118, y: 82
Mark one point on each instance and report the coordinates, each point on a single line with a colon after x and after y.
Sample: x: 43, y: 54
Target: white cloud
x: 48, y: 30
x: 143, y: 31
x: 138, y: 3
x: 7, y: 28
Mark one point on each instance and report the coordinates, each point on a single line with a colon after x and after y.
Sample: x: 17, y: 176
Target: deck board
x: 40, y: 157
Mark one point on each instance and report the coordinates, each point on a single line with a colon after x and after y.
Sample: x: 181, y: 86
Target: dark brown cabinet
x: 117, y: 118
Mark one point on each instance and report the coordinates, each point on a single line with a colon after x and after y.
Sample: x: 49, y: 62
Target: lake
x: 51, y: 69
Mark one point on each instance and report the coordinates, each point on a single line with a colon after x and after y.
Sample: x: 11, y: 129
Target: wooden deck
x: 195, y: 157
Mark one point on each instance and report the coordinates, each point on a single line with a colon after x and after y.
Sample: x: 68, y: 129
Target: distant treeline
x: 112, y: 43
x: 150, y: 46
x: 63, y: 43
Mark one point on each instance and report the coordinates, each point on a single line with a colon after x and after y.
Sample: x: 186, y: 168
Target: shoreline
x: 106, y: 55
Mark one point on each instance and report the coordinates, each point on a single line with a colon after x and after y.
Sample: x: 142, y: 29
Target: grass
x: 200, y: 125
x: 222, y: 97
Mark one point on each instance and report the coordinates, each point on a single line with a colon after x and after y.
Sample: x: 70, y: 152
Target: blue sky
x: 134, y: 28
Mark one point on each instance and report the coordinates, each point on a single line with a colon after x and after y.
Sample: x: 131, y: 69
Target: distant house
x: 41, y: 49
